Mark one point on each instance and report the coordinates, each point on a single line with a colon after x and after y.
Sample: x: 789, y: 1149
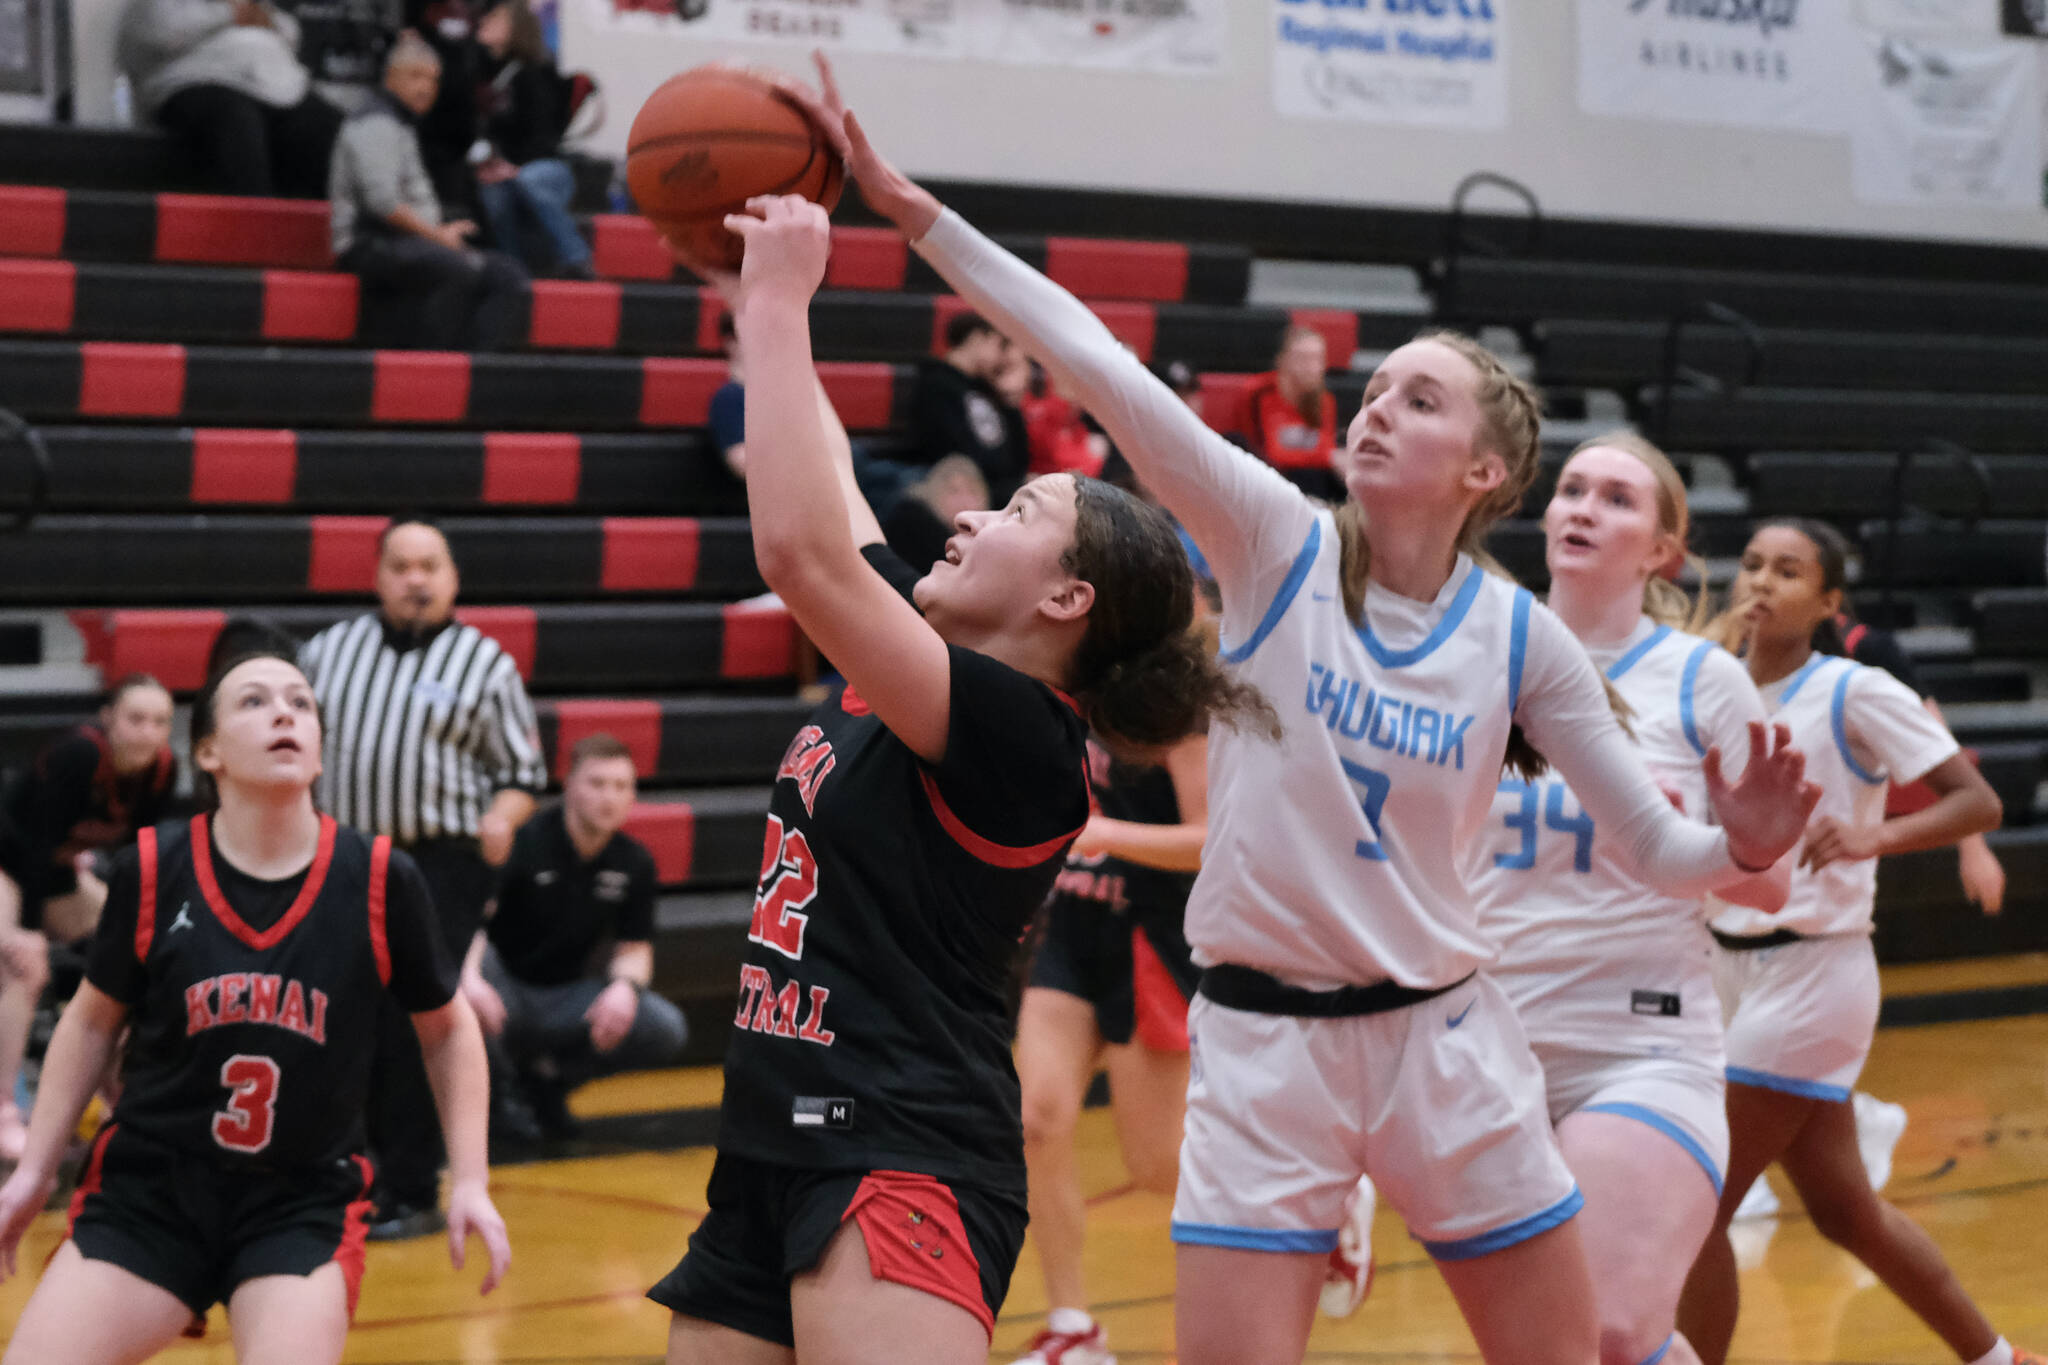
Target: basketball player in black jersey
x: 246, y: 949
x: 1110, y: 984
x: 868, y: 1198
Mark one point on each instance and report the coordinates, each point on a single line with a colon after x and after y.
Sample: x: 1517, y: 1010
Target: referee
x: 430, y: 740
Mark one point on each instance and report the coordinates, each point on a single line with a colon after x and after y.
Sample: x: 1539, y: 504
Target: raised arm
x: 799, y: 486
x: 1241, y: 512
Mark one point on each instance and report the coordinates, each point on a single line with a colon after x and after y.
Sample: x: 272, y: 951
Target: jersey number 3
x: 245, y: 1125
x: 789, y: 882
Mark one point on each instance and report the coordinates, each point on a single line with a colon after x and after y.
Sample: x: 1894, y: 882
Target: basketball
x: 708, y: 140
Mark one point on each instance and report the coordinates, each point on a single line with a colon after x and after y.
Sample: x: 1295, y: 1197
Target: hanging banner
x: 1947, y: 123
x: 1952, y: 17
x: 931, y: 28
x: 1128, y: 35
x: 1741, y: 63
x: 1431, y: 62
x: 1124, y: 35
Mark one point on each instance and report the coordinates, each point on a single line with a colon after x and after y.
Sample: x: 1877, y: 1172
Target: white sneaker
x: 1071, y: 1337
x: 1348, y: 1278
x: 1760, y: 1202
x: 1879, y: 1126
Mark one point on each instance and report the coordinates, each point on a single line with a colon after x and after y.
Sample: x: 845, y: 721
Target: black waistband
x: 1246, y: 988
x: 1747, y: 943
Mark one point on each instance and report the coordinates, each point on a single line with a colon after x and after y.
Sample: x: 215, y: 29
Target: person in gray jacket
x: 423, y: 280
x: 223, y: 77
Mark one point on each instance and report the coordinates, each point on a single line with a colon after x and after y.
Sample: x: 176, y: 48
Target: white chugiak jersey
x: 1593, y: 957
x: 1392, y: 748
x: 1862, y: 730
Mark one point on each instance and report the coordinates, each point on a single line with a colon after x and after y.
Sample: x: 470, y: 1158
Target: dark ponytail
x: 1145, y: 675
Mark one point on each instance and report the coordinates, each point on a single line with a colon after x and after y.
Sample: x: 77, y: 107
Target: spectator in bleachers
x: 1180, y: 376
x: 1062, y: 438
x: 387, y: 225
x: 86, y: 792
x: 925, y: 516
x: 223, y: 76
x: 524, y: 187
x: 430, y: 739
x: 729, y: 404
x: 1294, y: 418
x: 957, y: 410
x: 560, y: 974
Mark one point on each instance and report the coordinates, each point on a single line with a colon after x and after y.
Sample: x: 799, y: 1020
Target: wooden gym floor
x: 589, y: 1236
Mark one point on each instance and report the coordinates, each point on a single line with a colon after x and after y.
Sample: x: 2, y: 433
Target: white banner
x: 1744, y: 63
x: 1149, y: 35
x: 1436, y: 62
x: 1127, y: 35
x: 1947, y: 123
x: 1952, y: 17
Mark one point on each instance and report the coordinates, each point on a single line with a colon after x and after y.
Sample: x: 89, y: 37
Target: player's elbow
x: 1986, y: 812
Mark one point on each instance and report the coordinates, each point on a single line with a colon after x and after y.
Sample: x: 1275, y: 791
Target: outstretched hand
x: 1765, y: 813
x: 888, y: 191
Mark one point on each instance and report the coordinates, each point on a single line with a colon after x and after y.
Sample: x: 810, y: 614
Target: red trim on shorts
x: 355, y: 1231
x: 316, y: 877
x: 145, y: 909
x: 987, y: 850
x: 380, y: 870
x: 911, y: 1224
x: 89, y: 1185
x: 1159, y: 1009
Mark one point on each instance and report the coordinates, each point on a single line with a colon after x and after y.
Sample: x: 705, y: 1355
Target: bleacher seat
x: 1837, y: 419
x: 1859, y: 484
x: 1947, y: 554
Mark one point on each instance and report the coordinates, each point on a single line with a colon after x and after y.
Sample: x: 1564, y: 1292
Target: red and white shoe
x: 1071, y: 1337
x: 1349, y: 1277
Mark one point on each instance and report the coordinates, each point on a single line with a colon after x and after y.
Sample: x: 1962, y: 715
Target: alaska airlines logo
x: 1767, y: 16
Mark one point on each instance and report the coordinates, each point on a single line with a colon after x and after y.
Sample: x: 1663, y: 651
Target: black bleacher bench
x: 205, y: 559
x: 169, y: 228
x: 1984, y: 554
x: 676, y: 741
x: 112, y: 468
x: 608, y: 647
x: 2011, y: 623
x: 1836, y: 419
x: 229, y: 305
x: 1625, y: 354
x: 1859, y: 484
x: 1528, y: 291
x: 679, y: 740
x: 65, y: 380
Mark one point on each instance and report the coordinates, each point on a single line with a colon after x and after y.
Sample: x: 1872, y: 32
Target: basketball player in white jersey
x: 1341, y: 1024
x: 1799, y: 989
x: 1613, y: 980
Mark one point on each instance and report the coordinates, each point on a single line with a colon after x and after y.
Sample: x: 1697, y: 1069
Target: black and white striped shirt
x: 419, y: 738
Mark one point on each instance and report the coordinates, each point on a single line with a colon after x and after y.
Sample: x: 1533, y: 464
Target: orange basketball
x: 712, y: 138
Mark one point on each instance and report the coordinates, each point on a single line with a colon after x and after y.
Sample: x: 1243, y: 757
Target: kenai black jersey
x: 1142, y: 794
x: 253, y: 1003
x: 873, y: 1027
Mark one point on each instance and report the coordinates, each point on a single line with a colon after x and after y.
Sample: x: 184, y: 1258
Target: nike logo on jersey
x: 1459, y: 1017
x: 184, y: 919
x: 255, y: 998
x: 1409, y: 729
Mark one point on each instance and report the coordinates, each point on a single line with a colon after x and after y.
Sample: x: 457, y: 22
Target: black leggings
x: 240, y: 145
